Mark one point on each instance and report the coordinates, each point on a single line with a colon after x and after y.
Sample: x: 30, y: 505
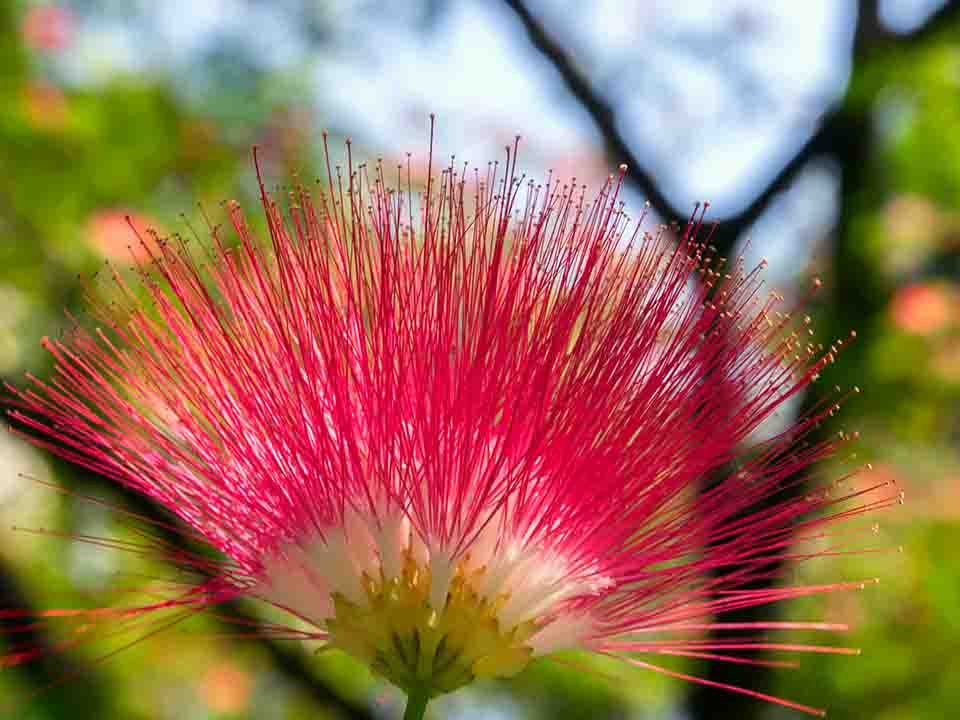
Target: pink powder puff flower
x: 452, y: 434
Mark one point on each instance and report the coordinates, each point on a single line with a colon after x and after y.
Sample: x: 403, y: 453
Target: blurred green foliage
x: 905, y: 239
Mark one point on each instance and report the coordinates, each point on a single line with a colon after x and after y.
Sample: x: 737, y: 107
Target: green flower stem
x: 416, y: 705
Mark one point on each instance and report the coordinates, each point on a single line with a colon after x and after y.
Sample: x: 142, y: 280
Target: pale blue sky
x: 711, y: 117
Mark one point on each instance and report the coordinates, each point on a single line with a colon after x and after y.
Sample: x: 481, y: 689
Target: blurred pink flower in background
x: 226, y: 688
x: 116, y: 234
x: 923, y: 308
x: 48, y: 27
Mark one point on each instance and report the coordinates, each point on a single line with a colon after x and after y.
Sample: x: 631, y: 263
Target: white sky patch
x: 469, y: 72
x: 903, y: 16
x: 719, y: 127
x: 787, y: 234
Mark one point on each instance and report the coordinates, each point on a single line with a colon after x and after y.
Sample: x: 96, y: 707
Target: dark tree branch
x: 831, y: 129
x: 600, y: 111
x: 603, y: 115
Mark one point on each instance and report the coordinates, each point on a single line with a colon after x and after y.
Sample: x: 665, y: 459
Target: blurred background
x: 826, y: 135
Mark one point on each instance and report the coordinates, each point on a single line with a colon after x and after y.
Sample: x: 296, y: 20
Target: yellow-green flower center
x: 426, y: 649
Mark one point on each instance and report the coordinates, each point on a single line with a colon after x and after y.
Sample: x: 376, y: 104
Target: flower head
x: 451, y: 434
